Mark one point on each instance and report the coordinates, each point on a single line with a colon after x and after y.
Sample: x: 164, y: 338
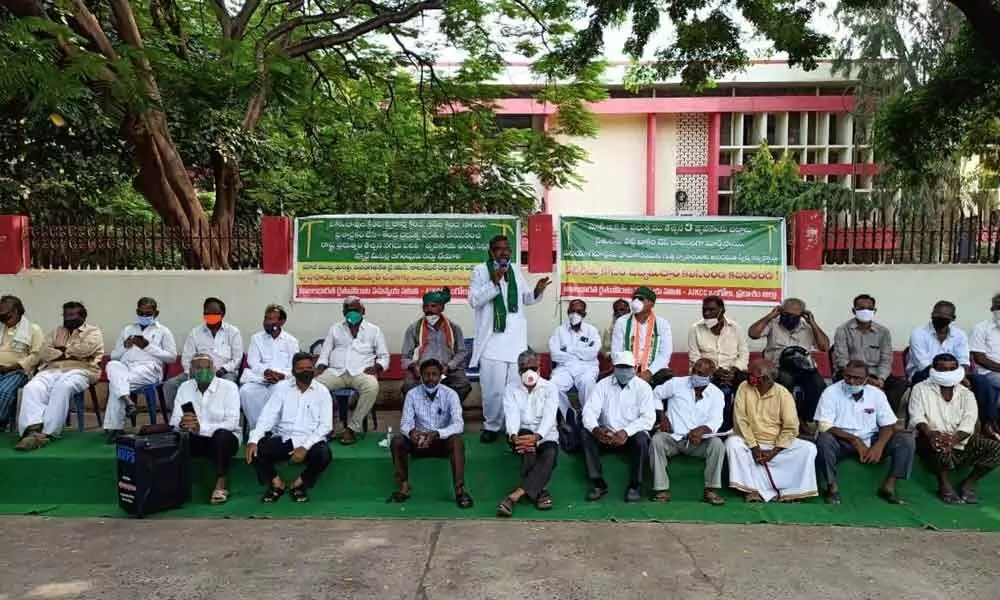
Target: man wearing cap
x: 646, y: 336
x: 498, y: 294
x: 573, y: 347
x: 435, y: 336
x: 618, y: 416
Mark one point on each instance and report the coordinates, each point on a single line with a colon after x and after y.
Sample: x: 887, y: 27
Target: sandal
x: 969, y: 496
x: 890, y: 496
x: 298, y: 494
x: 463, y: 500
x: 398, y: 497
x: 219, y: 496
x: 753, y: 498
x: 833, y: 498
x: 544, y: 502
x: 505, y: 508
x: 272, y: 494
x: 32, y: 441
x: 661, y: 496
x: 950, y: 498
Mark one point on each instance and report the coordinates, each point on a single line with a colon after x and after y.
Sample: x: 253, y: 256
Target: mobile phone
x: 187, y: 408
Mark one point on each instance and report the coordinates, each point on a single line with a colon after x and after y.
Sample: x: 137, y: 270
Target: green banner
x: 741, y: 259
x: 392, y: 257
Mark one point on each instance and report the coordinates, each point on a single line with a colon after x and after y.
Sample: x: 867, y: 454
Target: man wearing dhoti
x: 766, y: 459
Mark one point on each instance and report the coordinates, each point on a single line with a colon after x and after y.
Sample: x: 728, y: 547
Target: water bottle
x: 386, y: 443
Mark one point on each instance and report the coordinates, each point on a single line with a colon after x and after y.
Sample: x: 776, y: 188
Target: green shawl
x: 500, y: 307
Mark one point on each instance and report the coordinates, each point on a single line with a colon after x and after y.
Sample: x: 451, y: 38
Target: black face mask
x: 304, y: 376
x: 940, y: 322
x: 72, y: 324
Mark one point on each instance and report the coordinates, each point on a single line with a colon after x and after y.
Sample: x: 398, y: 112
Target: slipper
x: 463, y: 500
x: 398, y: 497
x: 950, y: 498
x: 969, y: 497
x: 298, y: 494
x: 505, y: 508
x: 890, y: 496
x: 272, y: 494
x: 32, y: 441
x: 219, y: 496
x: 833, y: 498
x: 544, y: 502
x: 661, y: 496
x: 752, y: 498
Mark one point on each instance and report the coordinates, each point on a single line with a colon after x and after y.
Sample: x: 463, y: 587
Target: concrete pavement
x: 119, y: 559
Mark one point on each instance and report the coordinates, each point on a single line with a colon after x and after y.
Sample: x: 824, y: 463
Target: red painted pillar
x: 276, y: 245
x: 807, y: 248
x: 540, y: 243
x: 650, y: 164
x: 15, y: 251
x: 714, y: 138
x: 545, y: 189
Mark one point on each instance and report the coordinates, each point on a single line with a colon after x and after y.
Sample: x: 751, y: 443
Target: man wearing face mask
x: 693, y: 410
x: 269, y: 360
x: 299, y: 416
x: 530, y: 409
x: 573, y: 347
x: 21, y: 344
x: 498, y: 294
x: 208, y: 408
x: 142, y: 349
x: 646, y: 336
x: 766, y: 459
x: 354, y: 355
x: 619, y: 309
x: 940, y: 336
x: 863, y: 339
x: 436, y: 336
x: 855, y: 419
x: 214, y: 337
x: 617, y: 417
x: 431, y: 426
x: 71, y: 360
x: 721, y: 340
x: 985, y: 353
x: 944, y: 414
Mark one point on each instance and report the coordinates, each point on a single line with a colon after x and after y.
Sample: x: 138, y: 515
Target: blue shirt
x: 925, y: 345
x: 441, y: 412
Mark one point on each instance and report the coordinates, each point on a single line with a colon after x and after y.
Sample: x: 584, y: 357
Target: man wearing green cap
x: 498, y: 294
x: 646, y: 336
x: 435, y: 336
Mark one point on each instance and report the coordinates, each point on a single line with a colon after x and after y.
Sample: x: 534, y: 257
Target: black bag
x: 153, y: 472
x: 570, y: 431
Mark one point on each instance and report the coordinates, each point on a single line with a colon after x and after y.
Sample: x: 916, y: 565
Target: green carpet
x: 75, y: 477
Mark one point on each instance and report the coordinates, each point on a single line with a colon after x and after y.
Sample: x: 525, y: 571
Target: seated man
x: 619, y: 308
x: 216, y: 338
x: 944, y: 414
x: 855, y: 419
x: 940, y: 336
x: 984, y: 348
x: 618, y: 416
x: 693, y: 409
x: 787, y: 326
x: 21, y: 343
x: 721, y: 340
x: 530, y: 409
x: 573, y: 347
x: 646, y: 336
x: 71, y: 361
x: 766, y: 460
x: 431, y: 425
x: 269, y: 360
x: 142, y: 349
x: 208, y: 408
x: 298, y: 416
x: 354, y: 355
x: 436, y: 336
x: 863, y: 339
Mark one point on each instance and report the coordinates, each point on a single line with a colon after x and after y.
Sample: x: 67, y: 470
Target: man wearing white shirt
x: 855, y: 419
x: 137, y: 360
x: 299, y: 416
x: 984, y: 350
x: 208, y: 408
x: 618, y: 416
x: 646, y: 336
x: 269, y: 360
x: 214, y: 337
x: 431, y: 426
x: 693, y: 410
x: 498, y: 294
x: 938, y: 336
x: 354, y: 355
x: 574, y: 347
x: 530, y: 408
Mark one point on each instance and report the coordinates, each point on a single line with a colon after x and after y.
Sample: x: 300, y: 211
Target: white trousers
x: 253, y: 396
x: 494, y: 375
x: 580, y: 375
x: 122, y: 379
x: 792, y: 471
x: 46, y: 397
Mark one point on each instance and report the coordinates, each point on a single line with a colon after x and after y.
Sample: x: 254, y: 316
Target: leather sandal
x: 463, y: 500
x: 505, y: 508
x: 272, y: 495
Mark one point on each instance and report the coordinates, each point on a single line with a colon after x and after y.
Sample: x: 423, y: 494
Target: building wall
x: 904, y: 300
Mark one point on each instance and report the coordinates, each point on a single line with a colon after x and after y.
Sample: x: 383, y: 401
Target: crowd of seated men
x: 774, y: 423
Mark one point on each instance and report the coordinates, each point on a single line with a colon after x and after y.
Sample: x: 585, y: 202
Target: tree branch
x: 983, y: 18
x: 225, y: 19
x: 380, y: 20
x: 239, y: 24
x: 303, y: 20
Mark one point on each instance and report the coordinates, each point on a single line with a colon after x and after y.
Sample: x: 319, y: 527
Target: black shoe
x: 113, y: 435
x: 488, y: 437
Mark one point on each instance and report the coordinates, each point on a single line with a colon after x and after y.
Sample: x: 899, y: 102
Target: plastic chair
x: 471, y: 373
x: 341, y: 402
x: 153, y: 394
x: 78, y: 407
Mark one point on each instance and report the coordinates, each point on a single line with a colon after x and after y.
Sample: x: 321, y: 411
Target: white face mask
x: 637, y: 305
x: 529, y: 378
x: 864, y: 315
x: 711, y: 323
x: 575, y: 319
x: 996, y: 317
x: 433, y: 319
x: 946, y: 378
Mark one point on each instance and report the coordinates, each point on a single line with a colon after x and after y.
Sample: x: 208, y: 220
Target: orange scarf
x: 423, y: 337
x: 651, y: 339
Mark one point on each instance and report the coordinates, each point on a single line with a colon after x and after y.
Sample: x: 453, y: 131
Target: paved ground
x: 427, y: 560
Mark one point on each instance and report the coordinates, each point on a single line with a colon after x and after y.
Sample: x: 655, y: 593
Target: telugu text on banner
x: 392, y: 257
x: 741, y: 259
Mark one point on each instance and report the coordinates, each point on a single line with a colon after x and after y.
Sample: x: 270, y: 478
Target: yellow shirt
x: 768, y: 419
x: 84, y: 350
x: 18, y: 353
x: 727, y: 350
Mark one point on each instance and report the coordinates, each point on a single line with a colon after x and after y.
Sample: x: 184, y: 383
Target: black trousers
x: 728, y: 395
x: 537, y: 468
x: 811, y: 386
x: 637, y: 447
x: 452, y: 448
x: 219, y: 448
x: 272, y: 450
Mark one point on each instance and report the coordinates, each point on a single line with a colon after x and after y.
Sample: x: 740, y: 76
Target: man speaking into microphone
x: 498, y: 294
